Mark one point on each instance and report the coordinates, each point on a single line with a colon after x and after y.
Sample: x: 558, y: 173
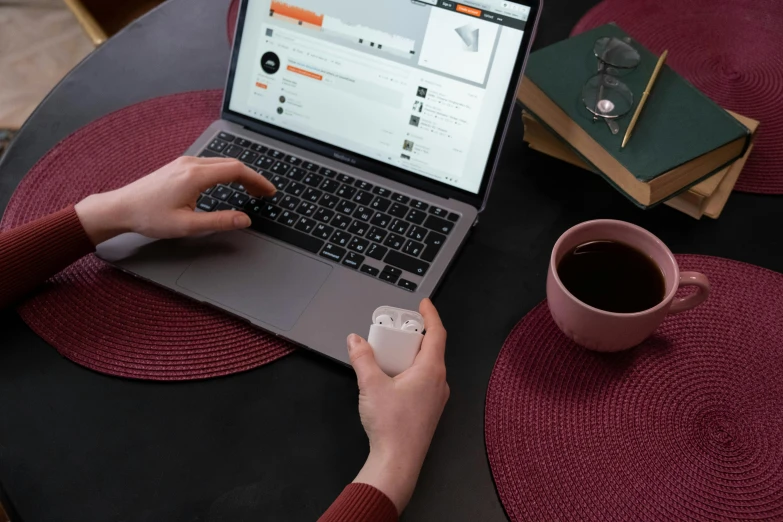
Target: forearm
x: 32, y: 253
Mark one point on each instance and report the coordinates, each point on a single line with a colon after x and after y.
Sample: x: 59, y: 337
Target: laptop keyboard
x: 338, y: 217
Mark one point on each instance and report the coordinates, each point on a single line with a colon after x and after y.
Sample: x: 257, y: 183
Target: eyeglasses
x: 604, y: 95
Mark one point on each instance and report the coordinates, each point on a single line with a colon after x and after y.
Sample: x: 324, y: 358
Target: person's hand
x: 161, y: 204
x: 400, y: 414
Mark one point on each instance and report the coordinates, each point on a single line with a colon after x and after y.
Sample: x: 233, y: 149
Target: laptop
x: 380, y: 123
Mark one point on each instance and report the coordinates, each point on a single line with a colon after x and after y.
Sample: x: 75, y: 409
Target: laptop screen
x: 417, y: 84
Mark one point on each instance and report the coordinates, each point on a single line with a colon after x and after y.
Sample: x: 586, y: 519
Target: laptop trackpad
x: 256, y: 277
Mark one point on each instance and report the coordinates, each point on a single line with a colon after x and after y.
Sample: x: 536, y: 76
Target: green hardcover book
x: 681, y: 137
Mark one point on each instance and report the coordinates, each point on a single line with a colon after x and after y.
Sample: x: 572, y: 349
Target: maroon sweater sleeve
x: 361, y: 503
x: 32, y: 253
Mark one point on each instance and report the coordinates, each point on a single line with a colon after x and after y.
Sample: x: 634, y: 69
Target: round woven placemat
x: 730, y: 50
x: 687, y: 426
x: 94, y: 314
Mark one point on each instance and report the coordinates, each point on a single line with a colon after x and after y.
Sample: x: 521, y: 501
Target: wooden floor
x: 40, y: 41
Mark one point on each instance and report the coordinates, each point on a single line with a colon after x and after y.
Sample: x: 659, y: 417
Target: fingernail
x: 353, y: 342
x: 241, y: 221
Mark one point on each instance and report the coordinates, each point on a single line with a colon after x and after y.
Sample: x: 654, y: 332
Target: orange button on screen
x: 309, y: 74
x: 468, y: 10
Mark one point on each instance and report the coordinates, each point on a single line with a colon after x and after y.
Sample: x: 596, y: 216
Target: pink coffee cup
x: 608, y: 331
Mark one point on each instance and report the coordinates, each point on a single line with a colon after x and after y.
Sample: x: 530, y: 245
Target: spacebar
x: 288, y: 235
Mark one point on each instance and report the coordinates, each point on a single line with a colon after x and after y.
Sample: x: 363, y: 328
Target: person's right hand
x: 161, y: 204
x: 400, y: 414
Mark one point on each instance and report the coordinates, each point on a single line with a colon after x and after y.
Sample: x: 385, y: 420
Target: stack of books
x: 686, y: 151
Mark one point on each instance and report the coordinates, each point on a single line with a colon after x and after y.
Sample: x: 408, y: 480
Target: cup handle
x: 681, y: 304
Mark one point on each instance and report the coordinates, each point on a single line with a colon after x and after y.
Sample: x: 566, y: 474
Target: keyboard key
x: 399, y: 198
x: 341, y: 222
x: 293, y: 160
x: 324, y: 215
x: 309, y: 165
x: 208, y: 191
x: 363, y: 213
x: 394, y: 241
x: 271, y: 211
x: 306, y: 209
x: 433, y: 242
x: 371, y: 270
x: 399, y: 227
x: 295, y: 173
x: 362, y: 185
x: 345, y: 178
x: 438, y: 224
x: 233, y: 151
x: 381, y: 192
x: 305, y: 225
x: 346, y: 207
x: 407, y: 263
x: 258, y: 148
x: 248, y: 157
x: 312, y: 195
x: 288, y: 218
x: 358, y: 244
x: 359, y: 228
x: 277, y: 198
x: 392, y: 270
x: 329, y: 173
x: 217, y: 146
x: 209, y: 154
x: 222, y: 193
x: 226, y: 136
x: 380, y: 204
x: 413, y: 248
x: 290, y: 202
x: 254, y: 206
x: 377, y: 234
x: 398, y: 210
x: 407, y: 285
x: 363, y: 198
x: 280, y: 182
x: 242, y: 142
x: 265, y: 173
x: 239, y: 199
x: 353, y: 260
x: 453, y: 217
x: 417, y: 233
x: 341, y: 238
x: 346, y: 191
x: 313, y: 179
x: 415, y: 216
x: 333, y: 252
x: 381, y: 220
x: 322, y: 231
x: 439, y: 212
x: 276, y: 154
x: 288, y: 235
x: 297, y: 189
x: 329, y: 201
x: 224, y: 206
x: 207, y: 203
x: 419, y: 205
x: 280, y: 168
x: 330, y: 186
x: 237, y: 186
x: 388, y: 277
x: 376, y: 251
x: 264, y: 162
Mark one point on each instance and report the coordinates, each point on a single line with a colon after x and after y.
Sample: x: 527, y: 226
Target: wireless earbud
x: 384, y: 320
x: 395, y: 338
x: 412, y: 326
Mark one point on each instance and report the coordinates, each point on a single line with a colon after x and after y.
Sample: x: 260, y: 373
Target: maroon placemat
x: 687, y: 426
x: 94, y: 314
x: 730, y: 50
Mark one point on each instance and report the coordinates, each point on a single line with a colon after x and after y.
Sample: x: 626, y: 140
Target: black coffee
x: 612, y: 276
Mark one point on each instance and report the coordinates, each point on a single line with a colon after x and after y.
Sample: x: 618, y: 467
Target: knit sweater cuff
x: 361, y: 503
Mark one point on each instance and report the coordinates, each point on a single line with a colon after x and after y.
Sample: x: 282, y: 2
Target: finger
x: 209, y: 175
x: 363, y: 361
x: 207, y: 161
x: 433, y: 347
x: 200, y: 222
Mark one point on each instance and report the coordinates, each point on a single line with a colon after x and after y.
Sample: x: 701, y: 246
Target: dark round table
x: 280, y: 442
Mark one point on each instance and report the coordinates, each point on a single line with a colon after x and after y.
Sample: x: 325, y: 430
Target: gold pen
x: 646, y: 93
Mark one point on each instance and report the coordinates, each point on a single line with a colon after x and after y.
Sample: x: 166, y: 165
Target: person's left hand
x: 161, y: 205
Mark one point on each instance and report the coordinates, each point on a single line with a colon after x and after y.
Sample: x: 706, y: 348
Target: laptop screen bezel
x: 378, y: 167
